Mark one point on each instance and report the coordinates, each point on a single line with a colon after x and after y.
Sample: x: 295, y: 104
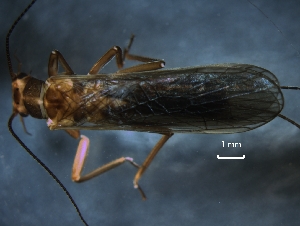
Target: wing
x: 226, y: 98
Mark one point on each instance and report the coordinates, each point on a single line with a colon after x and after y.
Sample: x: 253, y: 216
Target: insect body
x: 225, y: 98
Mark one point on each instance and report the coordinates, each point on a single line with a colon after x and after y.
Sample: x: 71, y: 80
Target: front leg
x: 54, y: 58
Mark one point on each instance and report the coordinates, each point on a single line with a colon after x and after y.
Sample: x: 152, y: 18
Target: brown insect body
x: 221, y: 98
x: 226, y: 98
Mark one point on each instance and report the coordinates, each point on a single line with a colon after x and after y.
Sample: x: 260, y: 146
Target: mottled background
x: 186, y: 184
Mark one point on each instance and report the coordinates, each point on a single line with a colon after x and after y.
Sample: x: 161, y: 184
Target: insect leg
x: 149, y: 159
x: 150, y: 63
x: 129, y: 56
x: 73, y: 133
x: 150, y: 66
x: 116, y: 51
x: 106, y: 58
x: 56, y: 56
x: 81, y: 154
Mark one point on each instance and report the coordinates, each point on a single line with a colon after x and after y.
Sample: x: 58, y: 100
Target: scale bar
x: 231, y: 157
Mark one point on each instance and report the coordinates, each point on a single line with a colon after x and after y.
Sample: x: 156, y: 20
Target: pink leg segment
x: 80, y: 157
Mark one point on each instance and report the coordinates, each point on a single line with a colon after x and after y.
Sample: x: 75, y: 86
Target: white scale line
x: 231, y: 157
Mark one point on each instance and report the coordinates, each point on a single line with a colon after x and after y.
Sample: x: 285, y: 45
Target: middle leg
x: 149, y: 64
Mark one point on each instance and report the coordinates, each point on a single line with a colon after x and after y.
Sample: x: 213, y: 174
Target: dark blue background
x: 186, y: 184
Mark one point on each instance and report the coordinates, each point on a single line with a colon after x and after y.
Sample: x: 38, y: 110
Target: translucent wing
x: 227, y: 98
